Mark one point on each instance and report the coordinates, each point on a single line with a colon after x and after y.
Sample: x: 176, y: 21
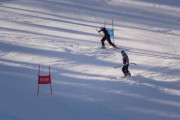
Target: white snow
x: 62, y: 34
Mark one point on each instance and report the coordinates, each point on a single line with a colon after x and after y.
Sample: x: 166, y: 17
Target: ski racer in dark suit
x: 106, y: 36
x: 125, y: 64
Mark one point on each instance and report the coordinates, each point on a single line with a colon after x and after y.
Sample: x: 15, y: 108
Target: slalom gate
x: 44, y: 80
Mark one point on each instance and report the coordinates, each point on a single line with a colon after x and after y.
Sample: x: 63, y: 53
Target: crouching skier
x: 125, y: 64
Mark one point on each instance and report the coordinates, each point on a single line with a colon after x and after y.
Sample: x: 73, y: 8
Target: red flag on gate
x: 44, y: 80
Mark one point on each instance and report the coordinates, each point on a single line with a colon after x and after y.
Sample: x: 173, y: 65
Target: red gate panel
x: 44, y: 80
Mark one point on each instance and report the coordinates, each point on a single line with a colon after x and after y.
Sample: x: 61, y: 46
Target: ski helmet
x: 102, y: 27
x: 123, y: 53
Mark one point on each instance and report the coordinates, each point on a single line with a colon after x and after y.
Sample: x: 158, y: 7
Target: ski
x: 119, y: 78
x: 110, y: 48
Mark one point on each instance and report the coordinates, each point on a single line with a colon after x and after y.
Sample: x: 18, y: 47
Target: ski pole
x: 123, y: 65
x: 99, y: 32
x: 118, y: 66
x: 133, y: 63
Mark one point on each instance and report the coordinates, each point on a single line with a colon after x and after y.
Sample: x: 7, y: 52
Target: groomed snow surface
x: 62, y: 34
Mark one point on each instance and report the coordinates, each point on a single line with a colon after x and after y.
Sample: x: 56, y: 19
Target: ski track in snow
x: 62, y: 34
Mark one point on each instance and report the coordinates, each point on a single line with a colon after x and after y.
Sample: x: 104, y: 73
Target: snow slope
x: 62, y: 34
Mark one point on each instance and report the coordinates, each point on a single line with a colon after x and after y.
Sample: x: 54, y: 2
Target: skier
x: 125, y: 64
x: 106, y: 36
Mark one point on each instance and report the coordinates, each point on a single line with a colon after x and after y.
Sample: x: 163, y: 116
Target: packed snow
x: 63, y: 34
